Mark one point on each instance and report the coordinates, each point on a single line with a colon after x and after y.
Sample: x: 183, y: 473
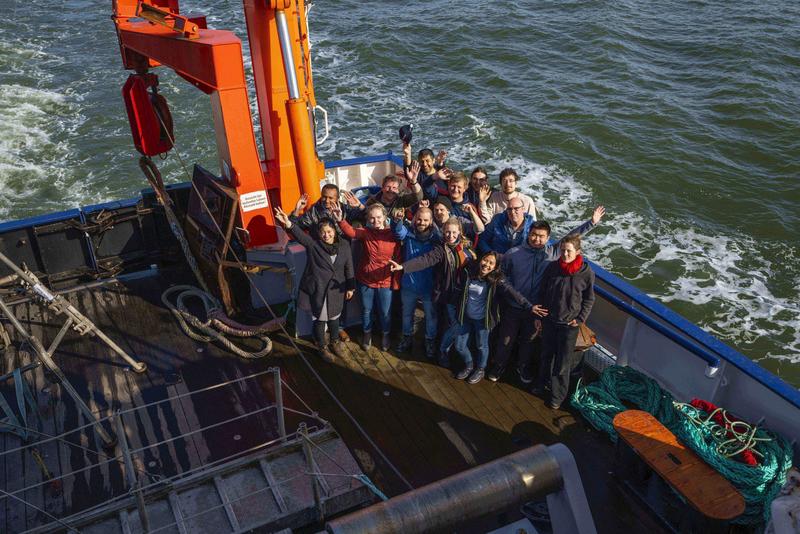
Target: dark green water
x: 683, y: 118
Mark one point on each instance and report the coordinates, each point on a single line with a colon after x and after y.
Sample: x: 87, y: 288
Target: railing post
x: 130, y: 474
x: 303, y: 432
x: 276, y: 374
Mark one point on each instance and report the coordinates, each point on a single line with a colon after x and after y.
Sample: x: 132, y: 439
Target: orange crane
x: 153, y: 33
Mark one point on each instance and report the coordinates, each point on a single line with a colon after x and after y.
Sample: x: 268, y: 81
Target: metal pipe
x: 492, y: 487
x: 288, y: 57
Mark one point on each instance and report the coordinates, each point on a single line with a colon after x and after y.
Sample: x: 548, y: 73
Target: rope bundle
x: 217, y: 324
x: 600, y: 401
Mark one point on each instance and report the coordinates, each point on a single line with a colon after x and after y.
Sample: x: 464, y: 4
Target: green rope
x: 600, y: 401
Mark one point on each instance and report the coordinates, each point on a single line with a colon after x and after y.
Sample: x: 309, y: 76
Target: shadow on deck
x: 427, y: 424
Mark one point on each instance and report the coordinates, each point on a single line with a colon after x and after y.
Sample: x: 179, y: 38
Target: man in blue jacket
x: 507, y: 229
x: 416, y: 241
x: 524, y: 266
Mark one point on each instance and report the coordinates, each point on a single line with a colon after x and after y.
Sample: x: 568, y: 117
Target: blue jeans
x: 368, y: 295
x: 409, y: 299
x: 481, y: 341
x: 452, y: 329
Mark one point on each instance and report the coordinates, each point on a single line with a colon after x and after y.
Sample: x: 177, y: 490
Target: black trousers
x: 558, y: 359
x: 319, y: 331
x: 515, y: 326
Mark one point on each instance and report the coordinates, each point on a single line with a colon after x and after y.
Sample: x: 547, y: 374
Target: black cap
x: 405, y: 133
x: 444, y: 201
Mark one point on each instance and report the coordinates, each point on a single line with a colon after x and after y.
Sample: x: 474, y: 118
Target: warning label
x: 253, y: 201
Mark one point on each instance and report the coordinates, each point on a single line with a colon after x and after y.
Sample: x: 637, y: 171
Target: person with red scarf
x: 565, y: 299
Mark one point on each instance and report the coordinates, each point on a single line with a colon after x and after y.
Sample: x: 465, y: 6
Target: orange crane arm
x: 153, y: 33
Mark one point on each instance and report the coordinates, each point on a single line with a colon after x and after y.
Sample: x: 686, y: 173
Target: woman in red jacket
x: 375, y: 278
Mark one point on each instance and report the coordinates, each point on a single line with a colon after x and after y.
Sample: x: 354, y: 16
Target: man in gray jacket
x: 524, y: 266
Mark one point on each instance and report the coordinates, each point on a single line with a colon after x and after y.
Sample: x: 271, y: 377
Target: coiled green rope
x: 600, y: 401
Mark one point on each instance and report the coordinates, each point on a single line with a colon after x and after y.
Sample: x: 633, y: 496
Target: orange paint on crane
x: 212, y: 61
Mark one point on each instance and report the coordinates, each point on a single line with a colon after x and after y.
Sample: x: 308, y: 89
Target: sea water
x: 681, y: 117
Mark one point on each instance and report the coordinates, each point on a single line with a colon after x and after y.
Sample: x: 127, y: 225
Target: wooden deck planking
x: 429, y: 416
x: 426, y: 434
x: 374, y: 409
x: 424, y: 425
x: 46, y: 395
x: 148, y: 387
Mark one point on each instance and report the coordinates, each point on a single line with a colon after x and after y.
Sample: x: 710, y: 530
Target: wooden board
x: 705, y: 489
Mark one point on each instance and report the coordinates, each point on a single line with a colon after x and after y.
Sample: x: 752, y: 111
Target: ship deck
x: 427, y: 424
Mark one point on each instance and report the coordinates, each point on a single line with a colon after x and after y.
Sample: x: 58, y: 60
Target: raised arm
x: 483, y: 208
x: 412, y: 175
x: 429, y: 259
x: 350, y: 232
x: 400, y: 230
x: 589, y: 225
x: 476, y: 219
x: 300, y: 236
x: 285, y: 221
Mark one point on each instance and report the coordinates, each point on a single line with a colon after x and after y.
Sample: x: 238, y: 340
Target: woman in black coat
x: 566, y: 297
x: 327, y: 280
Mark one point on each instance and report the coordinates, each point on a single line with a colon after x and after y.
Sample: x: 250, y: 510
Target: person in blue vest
x: 417, y: 239
x: 507, y: 229
x: 523, y: 266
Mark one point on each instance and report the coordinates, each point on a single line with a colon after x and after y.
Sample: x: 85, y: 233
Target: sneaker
x: 430, y: 349
x: 476, y: 376
x: 554, y: 406
x: 326, y: 354
x: 366, y: 340
x: 337, y: 347
x: 405, y: 344
x: 464, y: 373
x: 386, y: 342
x: 494, y: 374
x: 524, y: 375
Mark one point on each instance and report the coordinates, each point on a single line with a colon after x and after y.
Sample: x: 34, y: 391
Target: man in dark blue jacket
x: 417, y: 240
x: 523, y: 266
x: 507, y: 229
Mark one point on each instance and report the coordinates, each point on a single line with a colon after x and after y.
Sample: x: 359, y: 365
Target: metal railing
x: 127, y: 459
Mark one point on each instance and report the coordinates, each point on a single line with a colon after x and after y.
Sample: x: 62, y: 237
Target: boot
x: 405, y: 344
x: 326, y: 354
x: 385, y: 342
x: 430, y: 349
x: 337, y: 347
x: 366, y: 340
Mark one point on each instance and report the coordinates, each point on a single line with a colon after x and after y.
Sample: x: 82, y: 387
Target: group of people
x: 470, y: 255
